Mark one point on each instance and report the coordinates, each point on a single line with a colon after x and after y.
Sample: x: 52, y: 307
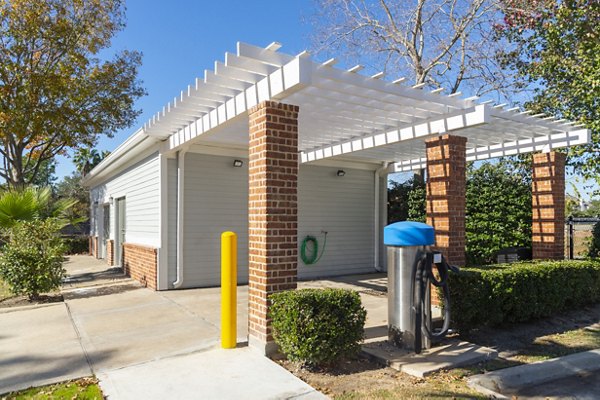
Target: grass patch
x: 80, y: 389
x: 442, y: 385
x: 560, y: 344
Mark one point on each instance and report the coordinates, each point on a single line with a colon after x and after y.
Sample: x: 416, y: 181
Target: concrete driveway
x: 112, y: 327
x: 107, y: 321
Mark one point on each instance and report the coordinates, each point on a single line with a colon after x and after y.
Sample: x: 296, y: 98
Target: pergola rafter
x: 345, y: 115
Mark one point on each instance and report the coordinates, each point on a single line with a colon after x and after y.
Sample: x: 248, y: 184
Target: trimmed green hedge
x: 78, y: 244
x: 506, y: 293
x: 317, y: 326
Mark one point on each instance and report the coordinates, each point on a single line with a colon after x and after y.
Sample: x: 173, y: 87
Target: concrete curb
x: 510, y: 379
x: 7, y: 310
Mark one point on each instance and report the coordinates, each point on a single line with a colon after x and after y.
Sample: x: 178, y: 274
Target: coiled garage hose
x: 314, y: 257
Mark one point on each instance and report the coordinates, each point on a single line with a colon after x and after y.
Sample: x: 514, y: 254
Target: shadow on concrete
x: 97, y: 291
x: 374, y: 332
x: 22, y: 372
x: 89, y: 277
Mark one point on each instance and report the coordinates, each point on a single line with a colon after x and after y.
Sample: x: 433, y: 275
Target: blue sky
x: 181, y: 38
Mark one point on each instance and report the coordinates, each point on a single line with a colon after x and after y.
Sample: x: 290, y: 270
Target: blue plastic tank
x: 408, y: 233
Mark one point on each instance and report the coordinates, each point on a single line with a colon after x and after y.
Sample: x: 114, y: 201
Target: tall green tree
x: 70, y: 187
x: 558, y: 53
x: 56, y: 93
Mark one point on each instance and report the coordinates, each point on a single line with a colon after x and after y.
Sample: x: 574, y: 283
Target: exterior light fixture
x: 340, y: 172
x: 238, y: 163
x: 111, y: 200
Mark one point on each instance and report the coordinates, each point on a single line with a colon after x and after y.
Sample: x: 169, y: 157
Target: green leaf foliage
x: 498, y: 212
x: 518, y: 292
x: 76, y: 244
x: 558, y: 54
x: 59, y: 88
x: 498, y: 208
x: 594, y: 247
x: 32, y: 260
x: 317, y: 326
x: 406, y: 200
x: 33, y: 203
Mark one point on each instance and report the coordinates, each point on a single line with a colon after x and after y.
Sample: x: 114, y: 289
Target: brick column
x: 272, y: 213
x: 446, y: 189
x: 548, y: 200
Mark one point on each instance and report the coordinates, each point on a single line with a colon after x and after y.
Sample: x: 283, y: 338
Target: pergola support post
x: 548, y: 206
x: 272, y: 213
x: 446, y: 191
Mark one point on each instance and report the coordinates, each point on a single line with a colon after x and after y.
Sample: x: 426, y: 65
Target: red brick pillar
x: 272, y: 213
x: 548, y: 200
x: 446, y: 189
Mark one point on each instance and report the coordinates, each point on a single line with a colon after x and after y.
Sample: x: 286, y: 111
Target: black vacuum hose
x: 423, y: 276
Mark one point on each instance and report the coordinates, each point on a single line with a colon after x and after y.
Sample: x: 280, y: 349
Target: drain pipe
x: 180, y: 216
x: 377, y: 236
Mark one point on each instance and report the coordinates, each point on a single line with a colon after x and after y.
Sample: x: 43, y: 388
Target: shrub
x: 594, y: 248
x: 318, y: 326
x: 506, y: 293
x: 31, y: 261
x: 498, y: 212
x: 76, y: 244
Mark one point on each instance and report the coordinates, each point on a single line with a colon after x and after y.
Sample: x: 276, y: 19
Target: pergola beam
x: 454, y: 121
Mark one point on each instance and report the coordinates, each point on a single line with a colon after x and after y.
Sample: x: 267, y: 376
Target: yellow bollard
x: 228, y: 290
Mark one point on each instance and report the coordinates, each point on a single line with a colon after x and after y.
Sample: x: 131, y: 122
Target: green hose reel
x: 314, y: 255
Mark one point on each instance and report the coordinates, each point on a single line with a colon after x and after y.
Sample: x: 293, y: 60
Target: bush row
x: 77, y: 244
x: 505, y: 293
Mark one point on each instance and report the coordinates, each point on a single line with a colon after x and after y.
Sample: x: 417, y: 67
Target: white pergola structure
x: 301, y: 111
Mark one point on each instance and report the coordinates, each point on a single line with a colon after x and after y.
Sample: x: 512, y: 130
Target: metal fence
x: 578, y: 232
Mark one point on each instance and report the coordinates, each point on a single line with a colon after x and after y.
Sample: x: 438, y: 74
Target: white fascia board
x: 279, y: 84
x: 451, y: 122
x: 138, y: 144
x: 540, y: 143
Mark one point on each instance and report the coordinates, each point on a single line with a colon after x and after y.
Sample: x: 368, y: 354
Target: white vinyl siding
x: 216, y: 200
x: 139, y: 184
x: 343, y: 206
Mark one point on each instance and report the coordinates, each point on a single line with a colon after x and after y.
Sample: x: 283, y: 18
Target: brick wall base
x: 140, y: 263
x: 110, y: 252
x: 93, y: 243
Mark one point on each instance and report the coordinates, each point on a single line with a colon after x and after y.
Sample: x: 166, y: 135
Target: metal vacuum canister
x: 405, y: 241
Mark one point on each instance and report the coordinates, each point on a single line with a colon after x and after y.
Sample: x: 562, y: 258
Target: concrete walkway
x: 109, y: 325
x: 215, y: 374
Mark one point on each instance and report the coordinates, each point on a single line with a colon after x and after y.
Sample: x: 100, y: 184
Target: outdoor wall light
x: 111, y: 200
x: 340, y: 172
x: 238, y: 163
